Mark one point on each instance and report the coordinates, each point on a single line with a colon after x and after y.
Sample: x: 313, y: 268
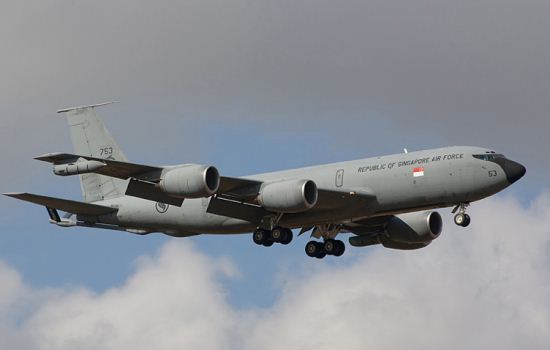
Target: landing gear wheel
x: 259, y: 236
x: 322, y: 253
x: 287, y: 237
x: 459, y: 219
x: 315, y: 250
x: 462, y: 219
x: 262, y: 237
x: 466, y: 220
x: 278, y: 234
x: 281, y: 235
x: 340, y: 248
x: 330, y: 247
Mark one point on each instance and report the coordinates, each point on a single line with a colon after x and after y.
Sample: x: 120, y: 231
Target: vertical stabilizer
x: 91, y: 138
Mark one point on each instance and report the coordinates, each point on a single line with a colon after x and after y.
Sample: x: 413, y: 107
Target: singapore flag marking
x: 418, y: 172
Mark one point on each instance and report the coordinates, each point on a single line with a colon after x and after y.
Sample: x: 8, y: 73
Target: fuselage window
x: 481, y: 156
x: 487, y: 156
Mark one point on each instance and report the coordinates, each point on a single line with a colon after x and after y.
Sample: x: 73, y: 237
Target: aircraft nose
x: 513, y: 170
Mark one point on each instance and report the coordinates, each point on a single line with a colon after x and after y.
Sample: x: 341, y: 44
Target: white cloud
x: 487, y: 286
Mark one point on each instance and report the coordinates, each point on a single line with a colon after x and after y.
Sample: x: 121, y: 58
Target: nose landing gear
x: 461, y: 219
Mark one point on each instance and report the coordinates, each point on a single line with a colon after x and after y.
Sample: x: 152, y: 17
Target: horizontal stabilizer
x: 64, y: 110
x: 66, y: 205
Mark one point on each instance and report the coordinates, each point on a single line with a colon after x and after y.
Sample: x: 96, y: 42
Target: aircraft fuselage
x: 405, y: 182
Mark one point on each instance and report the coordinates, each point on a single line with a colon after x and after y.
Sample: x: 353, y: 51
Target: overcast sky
x: 251, y: 86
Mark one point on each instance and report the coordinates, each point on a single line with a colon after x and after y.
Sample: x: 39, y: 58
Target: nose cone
x: 513, y: 170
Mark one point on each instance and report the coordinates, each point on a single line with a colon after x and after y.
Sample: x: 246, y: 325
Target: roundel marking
x: 162, y: 207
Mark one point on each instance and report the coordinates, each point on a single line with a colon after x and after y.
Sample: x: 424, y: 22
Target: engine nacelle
x: 191, y: 181
x: 82, y: 167
x: 292, y: 196
x: 420, y: 227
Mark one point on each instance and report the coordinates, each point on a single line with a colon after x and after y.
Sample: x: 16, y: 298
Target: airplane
x: 387, y: 200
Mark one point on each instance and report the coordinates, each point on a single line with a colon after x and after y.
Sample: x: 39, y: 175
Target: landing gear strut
x: 266, y: 238
x: 461, y: 219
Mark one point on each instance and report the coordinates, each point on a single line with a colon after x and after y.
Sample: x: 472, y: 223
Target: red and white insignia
x: 418, y: 172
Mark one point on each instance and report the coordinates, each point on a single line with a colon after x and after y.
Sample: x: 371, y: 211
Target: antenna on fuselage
x: 405, y: 150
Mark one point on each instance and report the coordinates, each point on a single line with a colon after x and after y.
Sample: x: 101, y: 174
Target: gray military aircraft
x: 386, y: 200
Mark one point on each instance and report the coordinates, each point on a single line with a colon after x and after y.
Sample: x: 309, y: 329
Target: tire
x: 466, y: 220
x: 340, y: 248
x: 460, y: 219
x: 278, y: 234
x: 312, y: 249
x: 268, y: 242
x: 288, y: 237
x: 330, y: 247
x: 259, y: 236
x: 321, y: 253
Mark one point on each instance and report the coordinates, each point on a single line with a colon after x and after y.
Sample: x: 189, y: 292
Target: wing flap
x: 238, y: 210
x: 149, y: 191
x: 66, y: 205
x: 239, y: 188
x: 330, y: 198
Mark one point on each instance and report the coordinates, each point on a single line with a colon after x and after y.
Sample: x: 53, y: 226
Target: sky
x: 254, y: 86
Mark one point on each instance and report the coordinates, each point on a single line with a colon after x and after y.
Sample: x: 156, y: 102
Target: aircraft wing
x: 65, y: 205
x: 239, y: 193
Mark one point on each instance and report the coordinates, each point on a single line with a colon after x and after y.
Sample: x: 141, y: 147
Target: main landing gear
x: 314, y: 249
x: 461, y: 219
x: 330, y: 246
x: 277, y: 235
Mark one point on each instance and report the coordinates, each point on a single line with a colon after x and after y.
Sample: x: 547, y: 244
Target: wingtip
x: 47, y: 155
x: 13, y: 194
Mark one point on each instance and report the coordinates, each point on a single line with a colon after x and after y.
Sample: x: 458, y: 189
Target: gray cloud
x: 485, y: 287
x: 469, y: 72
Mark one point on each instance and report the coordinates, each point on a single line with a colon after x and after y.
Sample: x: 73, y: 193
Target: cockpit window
x: 488, y: 156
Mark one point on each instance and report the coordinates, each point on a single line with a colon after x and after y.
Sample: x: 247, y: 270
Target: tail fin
x: 91, y: 138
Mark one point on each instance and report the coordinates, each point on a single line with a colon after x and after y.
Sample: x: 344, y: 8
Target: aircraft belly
x: 190, y: 217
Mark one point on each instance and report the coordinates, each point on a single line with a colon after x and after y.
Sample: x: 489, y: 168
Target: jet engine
x: 290, y: 196
x: 82, y: 167
x: 190, y: 181
x: 414, y: 228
